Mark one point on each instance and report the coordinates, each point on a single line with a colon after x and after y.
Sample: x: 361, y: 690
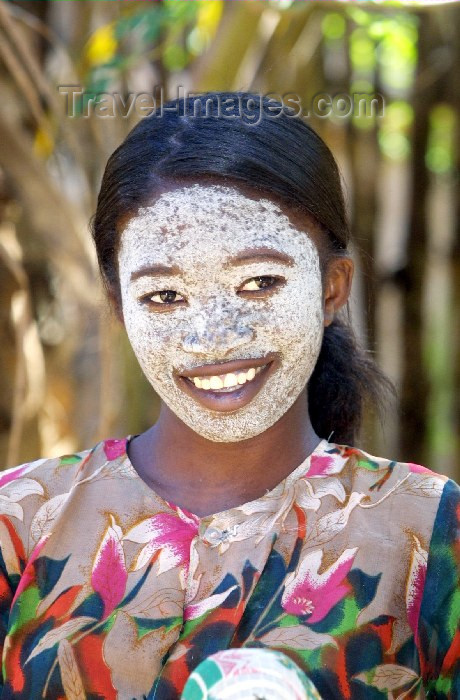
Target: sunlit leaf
x: 398, y: 55
x: 175, y: 57
x: 362, y: 50
x: 358, y: 15
x: 395, y: 131
x: 101, y: 46
x: 333, y: 25
x: 440, y: 151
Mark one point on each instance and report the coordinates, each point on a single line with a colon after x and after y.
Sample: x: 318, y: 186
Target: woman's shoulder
x: 40, y: 475
x: 60, y: 470
x: 40, y: 486
x: 398, y: 491
x: 360, y: 463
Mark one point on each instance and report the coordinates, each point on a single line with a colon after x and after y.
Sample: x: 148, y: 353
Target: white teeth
x: 230, y: 379
x: 226, y: 381
x: 216, y: 383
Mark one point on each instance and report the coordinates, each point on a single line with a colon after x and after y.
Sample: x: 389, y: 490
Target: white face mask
x: 216, y: 317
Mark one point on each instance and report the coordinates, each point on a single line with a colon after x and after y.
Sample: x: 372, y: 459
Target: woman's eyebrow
x: 245, y: 257
x: 155, y: 271
x: 260, y: 255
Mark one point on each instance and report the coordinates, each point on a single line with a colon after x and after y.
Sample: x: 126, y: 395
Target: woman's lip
x: 228, y: 401
x: 226, y: 367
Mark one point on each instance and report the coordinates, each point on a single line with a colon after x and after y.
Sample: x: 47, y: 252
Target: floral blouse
x: 350, y: 566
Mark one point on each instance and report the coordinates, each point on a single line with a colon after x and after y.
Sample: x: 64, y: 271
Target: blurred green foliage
x: 382, y: 53
x: 171, y: 32
x: 441, y: 143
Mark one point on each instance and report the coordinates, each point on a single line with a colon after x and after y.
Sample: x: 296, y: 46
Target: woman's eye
x: 163, y: 298
x: 168, y: 297
x: 256, y: 284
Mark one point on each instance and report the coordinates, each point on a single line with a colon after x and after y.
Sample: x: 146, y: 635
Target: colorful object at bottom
x: 249, y: 674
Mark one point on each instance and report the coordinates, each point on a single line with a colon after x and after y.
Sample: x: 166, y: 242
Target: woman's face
x: 244, y: 287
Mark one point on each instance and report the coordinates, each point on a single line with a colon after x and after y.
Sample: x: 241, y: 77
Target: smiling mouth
x: 226, y: 383
x: 228, y: 391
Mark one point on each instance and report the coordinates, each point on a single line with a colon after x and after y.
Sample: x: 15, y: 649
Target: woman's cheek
x: 293, y: 310
x: 157, y: 337
x: 298, y: 329
x: 141, y: 328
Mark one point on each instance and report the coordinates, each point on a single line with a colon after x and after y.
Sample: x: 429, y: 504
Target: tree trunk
x: 415, y: 383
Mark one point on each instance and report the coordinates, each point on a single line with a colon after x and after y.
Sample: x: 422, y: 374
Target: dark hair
x: 215, y: 135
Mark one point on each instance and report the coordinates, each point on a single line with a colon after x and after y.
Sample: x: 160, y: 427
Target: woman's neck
x: 207, y: 477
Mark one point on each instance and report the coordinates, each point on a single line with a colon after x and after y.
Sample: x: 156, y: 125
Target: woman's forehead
x: 203, y: 219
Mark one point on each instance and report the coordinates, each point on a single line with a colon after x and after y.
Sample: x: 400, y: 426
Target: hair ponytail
x: 344, y: 379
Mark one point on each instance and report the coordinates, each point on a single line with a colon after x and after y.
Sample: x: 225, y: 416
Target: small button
x: 214, y: 535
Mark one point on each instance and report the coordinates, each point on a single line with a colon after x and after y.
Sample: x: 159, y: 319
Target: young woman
x: 246, y: 517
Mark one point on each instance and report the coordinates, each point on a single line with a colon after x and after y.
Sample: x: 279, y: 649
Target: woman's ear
x: 339, y: 277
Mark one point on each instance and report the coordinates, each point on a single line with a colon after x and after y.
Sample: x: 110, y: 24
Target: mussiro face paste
x: 221, y: 307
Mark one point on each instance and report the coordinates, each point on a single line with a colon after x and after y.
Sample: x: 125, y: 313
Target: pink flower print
x: 418, y: 469
x: 109, y: 575
x: 308, y: 592
x: 321, y: 465
x: 415, y: 584
x: 170, y: 535
x: 114, y: 448
x: 12, y: 474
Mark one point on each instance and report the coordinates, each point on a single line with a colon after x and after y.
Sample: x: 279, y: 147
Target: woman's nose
x: 216, y: 335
